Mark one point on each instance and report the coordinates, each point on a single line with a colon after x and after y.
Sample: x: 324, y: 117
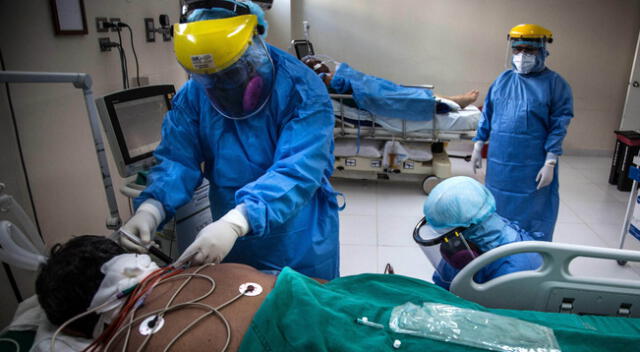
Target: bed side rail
x: 374, y: 131
x: 552, y: 287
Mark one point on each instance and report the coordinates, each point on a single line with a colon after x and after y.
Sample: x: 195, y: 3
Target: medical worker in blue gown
x: 258, y: 125
x: 525, y: 118
x: 460, y: 215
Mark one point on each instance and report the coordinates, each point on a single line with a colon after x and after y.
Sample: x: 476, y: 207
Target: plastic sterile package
x: 471, y: 328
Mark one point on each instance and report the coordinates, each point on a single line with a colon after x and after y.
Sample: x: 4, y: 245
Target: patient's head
x: 320, y: 68
x: 68, y: 281
x: 315, y: 64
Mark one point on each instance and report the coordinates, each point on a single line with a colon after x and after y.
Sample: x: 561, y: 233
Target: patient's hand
x: 326, y: 78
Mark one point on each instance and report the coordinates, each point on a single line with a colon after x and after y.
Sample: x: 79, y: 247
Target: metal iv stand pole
x: 80, y: 81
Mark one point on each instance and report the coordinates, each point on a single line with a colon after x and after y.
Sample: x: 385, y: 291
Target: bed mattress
x: 462, y: 120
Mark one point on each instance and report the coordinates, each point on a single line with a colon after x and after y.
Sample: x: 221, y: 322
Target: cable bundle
x: 136, y: 297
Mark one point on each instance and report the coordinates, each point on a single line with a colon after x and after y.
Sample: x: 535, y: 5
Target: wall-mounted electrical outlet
x: 115, y: 21
x: 100, y: 27
x: 105, y: 44
x: 166, y: 34
x: 149, y: 30
x: 167, y: 28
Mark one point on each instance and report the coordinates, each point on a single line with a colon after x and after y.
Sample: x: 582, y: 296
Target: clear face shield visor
x: 242, y: 89
x: 523, y: 49
x: 444, y: 246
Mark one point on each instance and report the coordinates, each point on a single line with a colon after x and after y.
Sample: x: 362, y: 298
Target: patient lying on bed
x: 292, y: 312
x: 385, y: 98
x: 378, y: 102
x: 68, y: 283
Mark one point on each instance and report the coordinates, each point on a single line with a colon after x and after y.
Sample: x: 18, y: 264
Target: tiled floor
x: 377, y: 224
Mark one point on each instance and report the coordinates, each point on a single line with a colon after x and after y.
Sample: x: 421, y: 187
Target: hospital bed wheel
x: 621, y: 262
x: 429, y: 182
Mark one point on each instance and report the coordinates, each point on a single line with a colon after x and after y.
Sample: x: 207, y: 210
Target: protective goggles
x: 450, y: 246
x: 524, y: 49
x: 229, y: 59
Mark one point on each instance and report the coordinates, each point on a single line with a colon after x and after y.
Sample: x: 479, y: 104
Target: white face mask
x: 524, y: 63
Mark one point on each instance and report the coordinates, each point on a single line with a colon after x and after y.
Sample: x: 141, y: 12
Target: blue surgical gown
x: 277, y: 163
x: 524, y: 118
x: 382, y: 97
x: 502, y: 232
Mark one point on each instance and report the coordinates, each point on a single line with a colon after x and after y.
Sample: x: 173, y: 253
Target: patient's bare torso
x: 210, y: 334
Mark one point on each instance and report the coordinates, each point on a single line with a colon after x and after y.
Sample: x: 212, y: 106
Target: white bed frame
x: 552, y: 288
x: 429, y: 174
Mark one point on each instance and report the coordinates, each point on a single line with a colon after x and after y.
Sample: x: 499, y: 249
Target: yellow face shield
x: 530, y: 32
x: 211, y: 46
x: 229, y: 59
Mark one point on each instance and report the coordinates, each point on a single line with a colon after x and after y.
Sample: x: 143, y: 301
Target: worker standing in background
x: 525, y: 117
x: 262, y: 125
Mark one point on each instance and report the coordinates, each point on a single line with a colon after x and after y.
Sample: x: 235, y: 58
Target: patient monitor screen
x: 303, y: 48
x: 140, y: 121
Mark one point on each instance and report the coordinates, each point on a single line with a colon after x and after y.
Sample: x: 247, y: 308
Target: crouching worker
x: 460, y: 224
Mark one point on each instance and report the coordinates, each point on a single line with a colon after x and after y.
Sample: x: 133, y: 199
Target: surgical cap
x: 218, y: 13
x: 458, y: 201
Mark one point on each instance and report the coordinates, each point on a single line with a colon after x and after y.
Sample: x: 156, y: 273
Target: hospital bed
x: 377, y: 147
x: 552, y: 287
x: 361, y: 137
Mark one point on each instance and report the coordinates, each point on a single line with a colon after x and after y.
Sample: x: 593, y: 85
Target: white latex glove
x: 214, y: 242
x: 142, y: 224
x: 476, y: 156
x: 545, y: 175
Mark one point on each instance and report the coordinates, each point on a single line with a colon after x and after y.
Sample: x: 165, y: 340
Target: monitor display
x: 140, y: 121
x: 132, y: 121
x: 303, y: 48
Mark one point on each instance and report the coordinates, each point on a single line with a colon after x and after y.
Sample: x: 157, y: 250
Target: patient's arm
x: 210, y: 334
